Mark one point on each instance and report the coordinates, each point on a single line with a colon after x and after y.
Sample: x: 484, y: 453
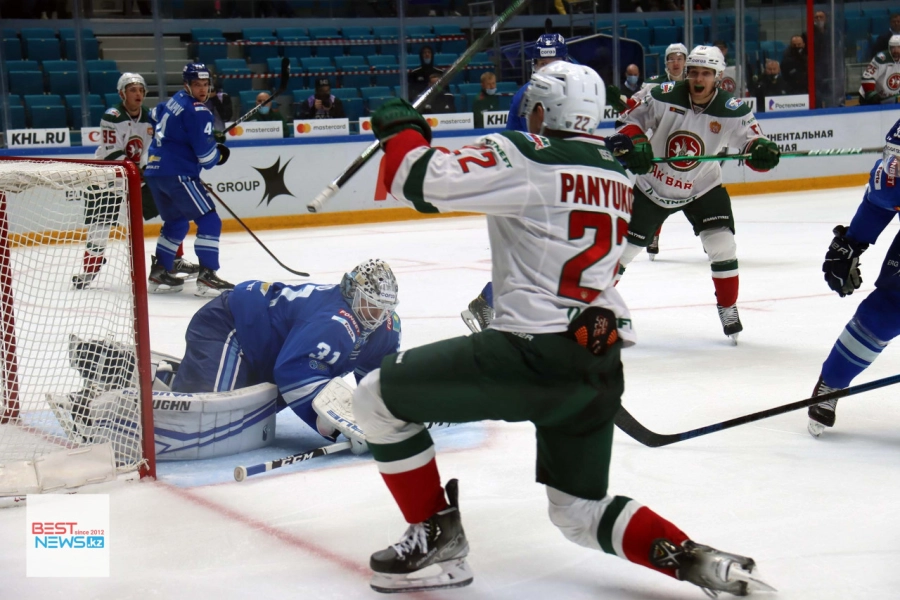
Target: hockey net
x: 74, y: 362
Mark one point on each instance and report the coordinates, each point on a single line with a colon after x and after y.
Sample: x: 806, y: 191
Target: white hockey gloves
x: 335, y: 409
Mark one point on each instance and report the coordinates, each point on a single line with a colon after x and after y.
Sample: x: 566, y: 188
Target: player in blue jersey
x: 877, y: 319
x: 183, y: 143
x: 298, y: 337
x: 549, y: 48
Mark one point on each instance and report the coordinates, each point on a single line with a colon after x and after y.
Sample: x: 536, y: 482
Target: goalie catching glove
x: 397, y: 115
x: 764, y: 155
x: 335, y: 409
x: 841, y: 266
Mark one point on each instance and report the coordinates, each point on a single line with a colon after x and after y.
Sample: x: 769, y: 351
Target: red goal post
x: 75, y: 373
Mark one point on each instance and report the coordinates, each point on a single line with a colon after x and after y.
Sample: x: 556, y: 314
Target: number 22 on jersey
x: 605, y: 237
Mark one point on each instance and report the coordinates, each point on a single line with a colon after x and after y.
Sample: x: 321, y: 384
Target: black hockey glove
x: 395, y: 116
x: 219, y: 137
x: 619, y: 144
x: 640, y: 159
x: 224, y: 153
x: 614, y: 99
x: 764, y: 155
x: 841, y: 266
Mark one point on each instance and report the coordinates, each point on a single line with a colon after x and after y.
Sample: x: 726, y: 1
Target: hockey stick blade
x: 322, y: 198
x: 802, y: 153
x: 285, y: 75
x: 628, y: 424
x: 250, y: 231
x: 241, y: 473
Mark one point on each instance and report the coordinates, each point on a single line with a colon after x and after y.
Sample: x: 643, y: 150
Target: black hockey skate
x: 731, y: 321
x: 824, y: 414
x: 440, y: 541
x: 82, y: 280
x: 712, y: 570
x: 479, y: 314
x: 185, y: 269
x: 210, y: 284
x: 653, y: 248
x: 161, y: 281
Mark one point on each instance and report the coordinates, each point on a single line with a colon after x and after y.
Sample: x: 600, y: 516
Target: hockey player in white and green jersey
x: 557, y: 206
x: 880, y: 83
x: 693, y: 118
x: 125, y: 134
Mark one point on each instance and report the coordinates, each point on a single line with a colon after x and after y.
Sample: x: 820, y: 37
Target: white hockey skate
x: 821, y: 415
x: 430, y: 555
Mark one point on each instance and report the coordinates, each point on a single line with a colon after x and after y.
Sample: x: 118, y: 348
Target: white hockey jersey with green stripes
x: 123, y: 137
x: 679, y: 130
x: 557, y: 213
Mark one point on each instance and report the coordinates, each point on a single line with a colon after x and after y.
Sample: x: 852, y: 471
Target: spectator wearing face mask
x: 322, y: 104
x: 418, y: 77
x: 269, y: 113
x: 771, y: 83
x: 219, y: 104
x: 487, y: 100
x: 633, y: 81
x: 794, y: 68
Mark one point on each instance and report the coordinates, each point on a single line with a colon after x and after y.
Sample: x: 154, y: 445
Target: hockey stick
x: 285, y: 75
x: 464, y: 58
x: 253, y: 235
x: 241, y: 473
x: 825, y: 152
x: 630, y: 425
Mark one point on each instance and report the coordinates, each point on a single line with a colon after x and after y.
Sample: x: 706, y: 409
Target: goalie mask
x: 371, y: 291
x: 573, y: 97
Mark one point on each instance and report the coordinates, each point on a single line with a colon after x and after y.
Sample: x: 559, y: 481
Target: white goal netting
x: 70, y: 411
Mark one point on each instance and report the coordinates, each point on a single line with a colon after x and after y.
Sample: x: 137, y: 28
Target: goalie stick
x: 464, y: 58
x: 634, y: 429
x: 253, y: 235
x: 801, y: 153
x: 285, y: 75
x: 241, y: 473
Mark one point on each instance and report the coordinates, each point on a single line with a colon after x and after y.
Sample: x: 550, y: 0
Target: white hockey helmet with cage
x: 127, y: 79
x: 707, y: 57
x: 371, y: 291
x: 573, y: 97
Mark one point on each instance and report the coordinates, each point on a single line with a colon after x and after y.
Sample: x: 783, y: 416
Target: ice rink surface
x: 819, y: 516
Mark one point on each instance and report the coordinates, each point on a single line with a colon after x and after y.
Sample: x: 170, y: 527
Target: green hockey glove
x: 219, y: 137
x: 640, y: 159
x: 397, y: 115
x: 614, y: 98
x: 764, y: 155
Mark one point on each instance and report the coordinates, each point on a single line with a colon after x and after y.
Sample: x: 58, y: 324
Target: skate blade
x: 734, y: 339
x: 156, y: 288
x: 204, y: 291
x: 449, y: 574
x: 815, y: 428
x: 185, y: 276
x: 652, y: 257
x: 470, y: 321
x: 754, y: 583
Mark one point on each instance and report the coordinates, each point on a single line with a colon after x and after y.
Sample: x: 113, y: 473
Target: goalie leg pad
x: 334, y: 405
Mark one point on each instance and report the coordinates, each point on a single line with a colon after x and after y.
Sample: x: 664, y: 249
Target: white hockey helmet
x: 371, y: 290
x: 127, y: 79
x: 707, y: 57
x: 676, y: 49
x: 573, y: 97
x: 894, y: 41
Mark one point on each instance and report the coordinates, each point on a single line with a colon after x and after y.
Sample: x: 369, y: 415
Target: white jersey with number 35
x: 557, y: 212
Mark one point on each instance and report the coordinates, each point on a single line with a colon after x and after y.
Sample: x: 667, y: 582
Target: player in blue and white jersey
x: 298, y: 337
x: 183, y: 143
x: 877, y: 319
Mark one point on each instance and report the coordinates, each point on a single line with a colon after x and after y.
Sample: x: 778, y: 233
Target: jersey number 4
x: 604, y: 238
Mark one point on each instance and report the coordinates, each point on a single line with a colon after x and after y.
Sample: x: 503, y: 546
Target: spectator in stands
x: 322, y: 105
x: 794, y: 68
x: 771, y: 83
x: 827, y: 82
x: 487, y: 100
x: 219, y: 104
x: 878, y: 84
x: 633, y: 81
x: 269, y: 113
x: 721, y: 45
x: 442, y: 103
x: 881, y: 44
x: 418, y: 77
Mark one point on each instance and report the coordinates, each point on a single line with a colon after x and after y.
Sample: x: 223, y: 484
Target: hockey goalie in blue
x: 877, y: 319
x: 299, y: 337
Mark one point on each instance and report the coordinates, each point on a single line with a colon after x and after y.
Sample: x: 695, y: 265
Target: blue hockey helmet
x: 550, y: 46
x: 194, y: 71
x: 891, y: 162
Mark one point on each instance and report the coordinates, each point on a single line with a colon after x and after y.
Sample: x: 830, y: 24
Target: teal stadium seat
x: 38, y: 32
x: 380, y: 90
x: 250, y: 32
x: 100, y: 82
x: 109, y: 98
x: 90, y: 48
x: 289, y: 32
x: 248, y: 99
x: 507, y: 87
x: 260, y: 54
x: 374, y: 102
x: 63, y: 82
x: 100, y: 65
x: 12, y: 48
x: 353, y: 108
x: 22, y: 65
x: 26, y: 82
x: 345, y: 93
x: 664, y: 36
x: 53, y: 66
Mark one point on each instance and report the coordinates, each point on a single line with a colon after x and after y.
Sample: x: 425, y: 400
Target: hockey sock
x: 170, y: 238
x: 410, y: 471
x: 488, y: 294
x: 630, y: 530
x: 726, y: 287
x: 180, y: 252
x: 209, y: 228
x: 97, y: 238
